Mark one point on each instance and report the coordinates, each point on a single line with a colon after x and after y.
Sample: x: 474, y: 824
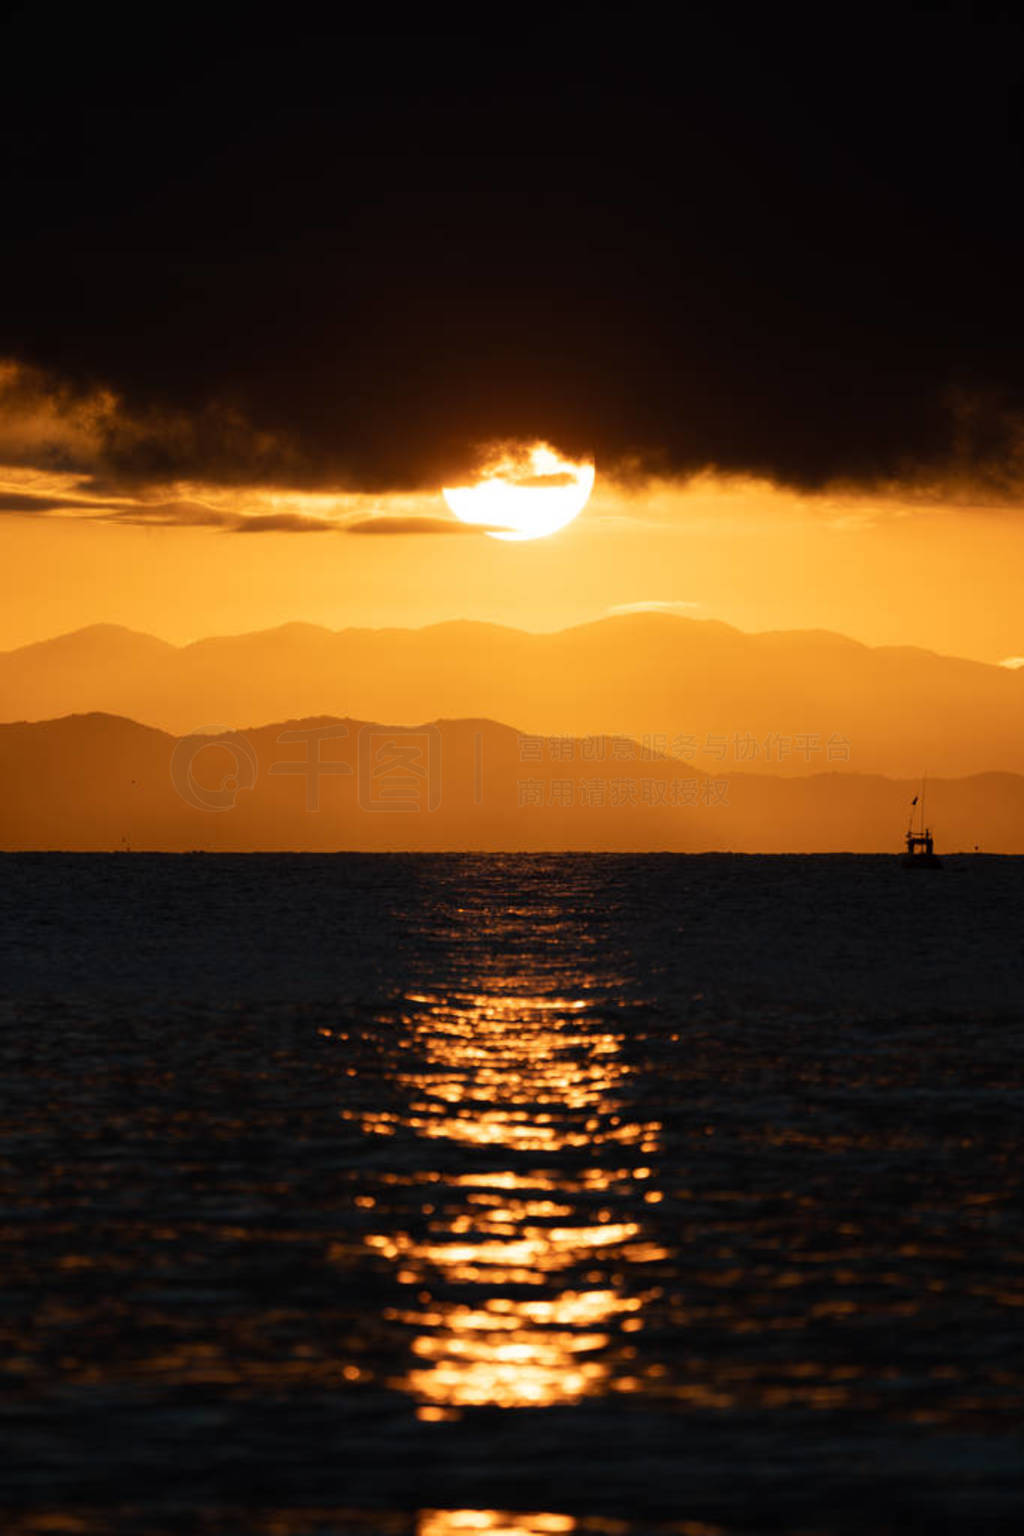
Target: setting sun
x: 524, y: 495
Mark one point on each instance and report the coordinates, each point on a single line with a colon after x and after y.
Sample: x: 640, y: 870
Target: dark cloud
x: 82, y: 427
x: 787, y: 244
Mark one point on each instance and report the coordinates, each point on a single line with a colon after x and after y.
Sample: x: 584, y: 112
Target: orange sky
x: 945, y: 577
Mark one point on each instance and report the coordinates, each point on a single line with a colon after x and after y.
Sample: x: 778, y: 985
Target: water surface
x: 431, y: 1195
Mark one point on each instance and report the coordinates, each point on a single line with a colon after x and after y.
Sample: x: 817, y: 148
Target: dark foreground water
x: 436, y: 1196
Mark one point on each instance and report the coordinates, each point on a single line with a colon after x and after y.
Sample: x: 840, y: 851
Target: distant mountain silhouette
x: 100, y: 781
x: 709, y: 693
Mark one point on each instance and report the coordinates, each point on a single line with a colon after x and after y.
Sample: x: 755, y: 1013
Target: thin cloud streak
x: 394, y: 524
x: 279, y: 512
x: 16, y: 502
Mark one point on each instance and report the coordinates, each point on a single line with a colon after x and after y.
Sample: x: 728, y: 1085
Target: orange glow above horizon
x: 753, y: 555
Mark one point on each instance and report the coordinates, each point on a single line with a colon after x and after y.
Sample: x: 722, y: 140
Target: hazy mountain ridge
x: 99, y: 781
x: 781, y: 702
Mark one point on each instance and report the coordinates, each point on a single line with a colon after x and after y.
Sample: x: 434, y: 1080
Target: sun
x: 527, y: 493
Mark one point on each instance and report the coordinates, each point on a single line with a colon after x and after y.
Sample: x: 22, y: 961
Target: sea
x: 526, y: 1195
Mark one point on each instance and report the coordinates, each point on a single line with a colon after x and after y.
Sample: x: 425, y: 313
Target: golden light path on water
x: 494, y: 1522
x: 491, y: 1522
x: 507, y: 1522
x: 523, y: 1073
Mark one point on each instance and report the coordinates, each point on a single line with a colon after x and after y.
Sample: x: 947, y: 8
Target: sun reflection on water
x: 497, y: 1522
x: 520, y: 1289
x: 491, y: 1522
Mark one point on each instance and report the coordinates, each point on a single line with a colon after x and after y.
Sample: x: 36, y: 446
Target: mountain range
x: 98, y: 781
x: 789, y: 703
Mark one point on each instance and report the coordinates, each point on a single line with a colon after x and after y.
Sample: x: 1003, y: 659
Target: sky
x: 742, y: 552
x: 265, y: 291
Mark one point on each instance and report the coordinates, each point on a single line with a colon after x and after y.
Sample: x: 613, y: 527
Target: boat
x: 920, y: 852
x: 920, y: 846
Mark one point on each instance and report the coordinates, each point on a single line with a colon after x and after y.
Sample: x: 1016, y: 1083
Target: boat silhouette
x: 920, y: 847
